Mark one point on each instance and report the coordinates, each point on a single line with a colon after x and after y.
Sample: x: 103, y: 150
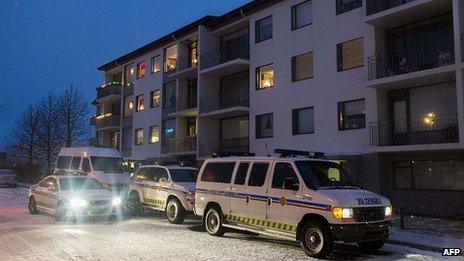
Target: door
x: 400, y: 120
x: 238, y: 204
x: 163, y: 186
x: 256, y: 191
x: 283, y: 190
x: 150, y: 187
x: 45, y: 194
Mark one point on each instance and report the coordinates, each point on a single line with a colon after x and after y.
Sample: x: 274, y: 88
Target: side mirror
x: 163, y: 180
x: 53, y: 188
x: 290, y: 184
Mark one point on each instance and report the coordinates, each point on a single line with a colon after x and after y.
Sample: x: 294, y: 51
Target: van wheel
x: 133, y: 205
x: 213, y: 222
x: 371, y: 246
x: 60, y: 212
x: 175, y: 212
x: 315, y: 239
x: 32, y: 206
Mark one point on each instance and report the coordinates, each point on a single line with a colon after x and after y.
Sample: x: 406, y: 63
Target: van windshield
x: 324, y: 175
x: 79, y: 184
x: 108, y: 164
x: 184, y: 175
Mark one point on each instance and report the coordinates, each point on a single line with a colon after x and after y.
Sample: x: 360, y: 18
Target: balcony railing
x: 224, y: 145
x: 426, y: 130
x: 105, y: 121
x: 111, y: 88
x: 179, y: 145
x: 417, y: 58
x: 233, y: 98
x: 223, y: 55
x: 376, y: 6
x: 186, y: 102
x: 185, y: 62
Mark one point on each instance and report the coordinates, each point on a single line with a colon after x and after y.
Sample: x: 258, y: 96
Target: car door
x: 163, y: 186
x: 284, y: 211
x: 149, y: 186
x: 256, y: 197
x: 39, y: 194
x: 46, y: 193
x: 238, y: 200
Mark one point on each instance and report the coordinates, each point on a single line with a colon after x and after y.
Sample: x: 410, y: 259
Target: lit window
x: 265, y: 77
x: 351, y: 115
x: 154, y: 134
x: 193, y: 54
x: 302, y: 66
x: 155, y: 64
x: 302, y: 14
x: 129, y: 74
x: 265, y: 126
x: 140, y: 103
x: 155, y: 98
x: 170, y: 58
x: 128, y: 105
x: 303, y: 121
x: 263, y: 29
x: 140, y: 70
x: 350, y: 54
x: 138, y: 137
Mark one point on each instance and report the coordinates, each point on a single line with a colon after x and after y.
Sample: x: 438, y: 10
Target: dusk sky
x: 47, y: 45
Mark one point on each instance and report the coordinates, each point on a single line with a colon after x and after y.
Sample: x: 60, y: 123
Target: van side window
x: 285, y: 177
x: 241, y: 173
x: 75, y: 163
x: 258, y: 174
x: 86, y: 165
x: 63, y: 162
x: 162, y: 173
x: 218, y: 172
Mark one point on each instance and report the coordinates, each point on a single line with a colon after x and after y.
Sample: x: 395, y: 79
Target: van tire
x: 315, y: 239
x: 32, y: 206
x: 371, y: 246
x: 213, y: 222
x: 133, y: 204
x: 175, y: 212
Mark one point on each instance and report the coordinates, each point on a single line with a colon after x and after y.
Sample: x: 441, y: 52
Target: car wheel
x: 213, y: 222
x: 175, y: 212
x: 32, y: 206
x: 316, y: 239
x: 60, y: 212
x: 371, y: 246
x: 133, y: 205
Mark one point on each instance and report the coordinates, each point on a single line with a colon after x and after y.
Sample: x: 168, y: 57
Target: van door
x: 284, y: 212
x: 238, y: 204
x: 256, y: 197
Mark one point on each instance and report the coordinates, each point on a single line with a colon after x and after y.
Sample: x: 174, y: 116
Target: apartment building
x: 376, y: 84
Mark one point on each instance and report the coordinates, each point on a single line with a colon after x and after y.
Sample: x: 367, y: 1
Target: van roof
x: 257, y: 158
x: 91, y: 151
x: 169, y: 167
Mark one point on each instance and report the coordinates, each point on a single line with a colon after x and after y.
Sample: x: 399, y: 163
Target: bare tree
x: 73, y: 111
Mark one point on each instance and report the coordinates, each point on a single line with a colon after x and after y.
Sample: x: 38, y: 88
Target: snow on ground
x: 40, y: 237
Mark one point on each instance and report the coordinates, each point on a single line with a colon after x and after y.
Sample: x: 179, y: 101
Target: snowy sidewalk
x: 423, y: 241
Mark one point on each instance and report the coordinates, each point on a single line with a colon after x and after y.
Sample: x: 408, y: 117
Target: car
x: 166, y: 188
x: 8, y: 178
x: 70, y: 197
x: 294, y: 195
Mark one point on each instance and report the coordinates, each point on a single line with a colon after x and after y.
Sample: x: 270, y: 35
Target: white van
x: 291, y: 196
x: 105, y: 165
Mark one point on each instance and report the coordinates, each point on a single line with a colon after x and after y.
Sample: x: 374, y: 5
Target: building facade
x: 376, y: 84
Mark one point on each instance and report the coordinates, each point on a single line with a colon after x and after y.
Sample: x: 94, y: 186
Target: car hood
x: 112, y: 178
x: 354, y: 197
x: 88, y: 194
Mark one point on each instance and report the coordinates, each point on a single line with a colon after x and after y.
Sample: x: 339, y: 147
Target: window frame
x: 137, y: 99
x: 341, y: 115
x: 257, y: 76
x: 247, y: 182
x: 234, y: 163
x: 294, y: 172
x: 340, y: 54
x: 151, y: 98
x: 293, y: 15
x: 294, y: 133
x: 153, y: 63
x: 138, y: 70
x: 257, y: 40
x: 257, y: 129
x: 136, y: 143
x: 248, y: 163
x: 294, y: 67
x: 150, y: 133
x: 339, y: 11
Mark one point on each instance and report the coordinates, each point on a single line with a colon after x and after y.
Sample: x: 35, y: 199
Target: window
x: 154, y: 134
x: 140, y: 70
x: 265, y: 126
x: 402, y: 175
x: 129, y: 75
x: 285, y: 177
x: 138, y: 137
x: 350, y: 54
x: 170, y: 58
x: 140, y: 103
x: 155, y: 64
x: 302, y: 67
x: 128, y: 105
x: 63, y: 162
x: 115, y: 136
x: 193, y: 54
x: 303, y: 121
x: 263, y: 29
x: 347, y: 5
x: 258, y: 174
x: 191, y: 126
x: 86, y: 165
x: 218, y: 172
x: 241, y: 173
x: 48, y: 183
x: 302, y: 15
x: 75, y: 163
x: 265, y: 77
x: 351, y: 115
x: 154, y: 98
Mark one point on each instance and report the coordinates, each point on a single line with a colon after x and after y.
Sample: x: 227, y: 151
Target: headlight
x: 388, y: 211
x: 78, y: 203
x: 116, y: 201
x: 341, y: 213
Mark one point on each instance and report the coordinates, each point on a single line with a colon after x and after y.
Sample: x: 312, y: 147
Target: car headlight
x: 342, y: 213
x: 116, y: 201
x: 388, y: 211
x: 78, y: 203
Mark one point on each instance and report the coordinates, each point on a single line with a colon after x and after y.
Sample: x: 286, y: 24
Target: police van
x: 166, y: 188
x: 294, y: 195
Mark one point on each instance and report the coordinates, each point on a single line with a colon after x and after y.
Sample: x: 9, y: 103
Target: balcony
x: 376, y: 6
x: 106, y: 121
x: 229, y: 104
x: 224, y: 145
x: 416, y: 131
x: 186, y: 102
x: 226, y: 61
x: 181, y: 145
x: 170, y: 67
x: 111, y: 90
x: 186, y: 66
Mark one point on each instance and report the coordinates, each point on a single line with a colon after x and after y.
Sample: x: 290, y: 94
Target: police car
x: 294, y: 195
x: 165, y: 188
x: 67, y: 197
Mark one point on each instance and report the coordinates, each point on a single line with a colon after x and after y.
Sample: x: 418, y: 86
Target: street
x: 40, y: 237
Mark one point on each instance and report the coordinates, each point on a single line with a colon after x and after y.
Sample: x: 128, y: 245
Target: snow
x: 40, y: 237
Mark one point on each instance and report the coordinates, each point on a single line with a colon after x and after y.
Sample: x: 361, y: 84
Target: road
x: 40, y: 237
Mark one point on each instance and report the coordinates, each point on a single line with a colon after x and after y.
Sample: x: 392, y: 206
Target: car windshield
x: 184, y: 175
x: 108, y: 164
x: 6, y: 172
x: 324, y: 175
x: 79, y: 184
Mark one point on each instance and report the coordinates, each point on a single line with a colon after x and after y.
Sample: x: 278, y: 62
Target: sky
x: 45, y: 45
